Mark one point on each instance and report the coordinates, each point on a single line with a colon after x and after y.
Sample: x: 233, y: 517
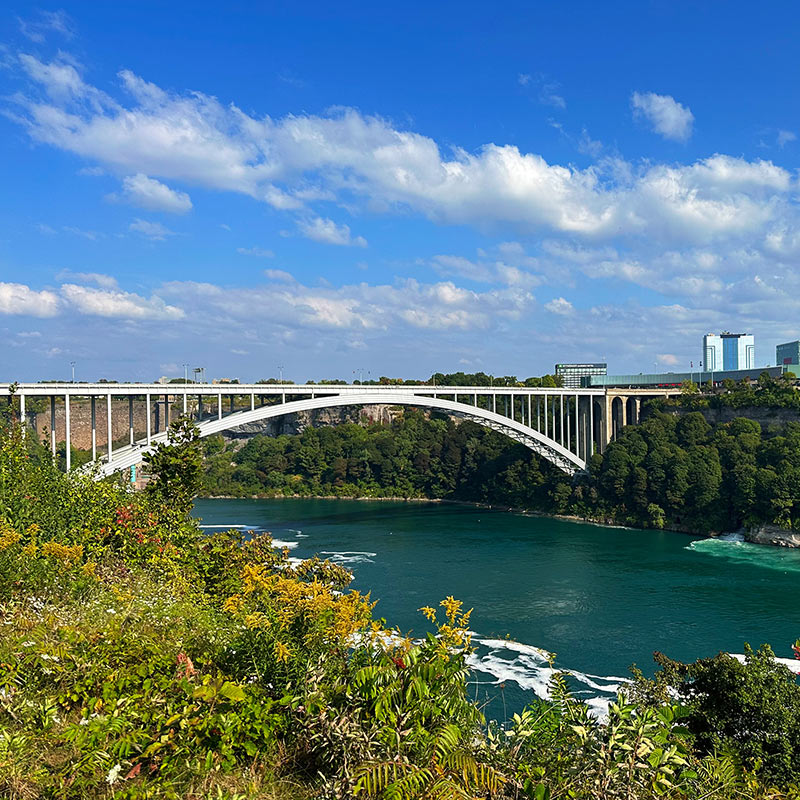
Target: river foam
x: 531, y: 669
x: 734, y: 548
x: 345, y: 557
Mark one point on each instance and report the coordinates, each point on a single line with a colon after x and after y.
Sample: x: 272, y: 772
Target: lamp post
x: 72, y: 364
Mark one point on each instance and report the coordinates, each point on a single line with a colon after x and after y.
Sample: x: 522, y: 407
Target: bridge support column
x: 546, y: 420
x: 199, y: 407
x: 130, y: 420
x: 252, y: 401
x: 185, y: 396
x: 53, y: 425
x: 232, y: 399
x: 609, y: 420
x: 66, y: 435
x: 167, y: 411
x: 561, y: 425
x: 147, y: 410
x: 94, y: 428
x: 219, y: 406
x: 109, y: 429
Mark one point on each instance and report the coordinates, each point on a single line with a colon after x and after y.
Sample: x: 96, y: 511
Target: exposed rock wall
x: 772, y: 534
x: 761, y: 414
x: 80, y: 413
x: 292, y: 424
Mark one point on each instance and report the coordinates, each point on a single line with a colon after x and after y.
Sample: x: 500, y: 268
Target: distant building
x: 674, y: 379
x: 729, y: 351
x: 217, y: 381
x: 571, y: 374
x: 788, y: 355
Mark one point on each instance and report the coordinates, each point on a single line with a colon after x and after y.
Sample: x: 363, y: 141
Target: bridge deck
x: 137, y: 389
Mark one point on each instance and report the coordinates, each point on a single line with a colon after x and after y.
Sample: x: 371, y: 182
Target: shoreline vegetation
x: 675, y: 471
x: 143, y: 658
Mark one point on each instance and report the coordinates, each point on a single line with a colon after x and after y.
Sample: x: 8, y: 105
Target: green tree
x: 176, y: 467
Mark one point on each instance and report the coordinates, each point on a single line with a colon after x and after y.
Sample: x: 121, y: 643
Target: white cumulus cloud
x: 364, y: 162
x: 667, y: 116
x: 152, y: 230
x: 328, y: 232
x: 140, y: 190
x: 104, y: 281
x: 116, y: 303
x: 559, y: 305
x: 16, y: 298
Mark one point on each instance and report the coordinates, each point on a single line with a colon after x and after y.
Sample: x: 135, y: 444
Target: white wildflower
x: 113, y: 774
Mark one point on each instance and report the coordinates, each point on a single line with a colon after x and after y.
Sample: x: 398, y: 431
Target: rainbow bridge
x: 565, y: 426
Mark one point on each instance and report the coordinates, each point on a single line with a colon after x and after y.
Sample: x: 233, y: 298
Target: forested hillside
x: 671, y: 471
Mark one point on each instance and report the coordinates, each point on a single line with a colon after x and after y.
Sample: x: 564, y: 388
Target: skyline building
x: 571, y: 374
x: 788, y: 354
x: 729, y: 351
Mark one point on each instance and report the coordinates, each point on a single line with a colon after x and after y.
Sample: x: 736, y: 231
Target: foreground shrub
x: 142, y: 659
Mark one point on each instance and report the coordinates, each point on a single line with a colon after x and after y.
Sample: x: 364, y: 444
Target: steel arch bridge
x: 550, y: 449
x: 564, y: 425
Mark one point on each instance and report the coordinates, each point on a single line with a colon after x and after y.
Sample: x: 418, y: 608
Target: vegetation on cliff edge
x: 143, y: 659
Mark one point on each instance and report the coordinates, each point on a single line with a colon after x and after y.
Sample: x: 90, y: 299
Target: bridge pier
x: 67, y: 441
x: 109, y: 429
x: 94, y: 429
x: 53, y: 425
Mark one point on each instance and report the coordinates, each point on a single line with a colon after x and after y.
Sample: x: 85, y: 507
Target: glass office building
x: 571, y: 374
x: 788, y: 355
x: 729, y: 351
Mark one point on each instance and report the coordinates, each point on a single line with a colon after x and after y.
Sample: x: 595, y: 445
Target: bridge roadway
x: 566, y: 426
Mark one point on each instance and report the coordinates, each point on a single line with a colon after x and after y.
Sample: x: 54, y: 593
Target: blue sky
x: 426, y: 187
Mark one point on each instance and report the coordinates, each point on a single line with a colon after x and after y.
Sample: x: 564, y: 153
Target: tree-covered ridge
x: 767, y: 392
x: 413, y: 456
x: 671, y: 471
x: 681, y: 471
x: 141, y: 659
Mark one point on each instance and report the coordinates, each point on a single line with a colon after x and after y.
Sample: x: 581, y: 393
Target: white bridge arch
x: 550, y: 449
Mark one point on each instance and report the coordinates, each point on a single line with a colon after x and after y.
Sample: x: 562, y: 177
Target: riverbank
x: 766, y: 535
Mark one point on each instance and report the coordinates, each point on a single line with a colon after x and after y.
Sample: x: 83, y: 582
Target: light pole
x: 280, y: 374
x: 72, y: 364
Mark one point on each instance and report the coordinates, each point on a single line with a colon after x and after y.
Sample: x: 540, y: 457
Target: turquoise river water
x: 600, y: 598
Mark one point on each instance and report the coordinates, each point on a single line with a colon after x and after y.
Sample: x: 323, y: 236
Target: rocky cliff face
x: 292, y: 424
x: 81, y: 421
x: 772, y: 534
x: 763, y: 415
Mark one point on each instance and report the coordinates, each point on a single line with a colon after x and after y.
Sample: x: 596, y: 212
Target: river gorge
x: 600, y: 598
